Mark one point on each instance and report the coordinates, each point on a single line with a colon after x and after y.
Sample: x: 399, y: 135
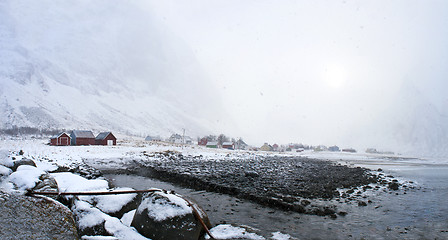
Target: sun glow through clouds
x: 335, y: 76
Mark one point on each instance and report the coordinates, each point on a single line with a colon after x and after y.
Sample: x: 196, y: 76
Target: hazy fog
x: 351, y: 73
x: 362, y: 73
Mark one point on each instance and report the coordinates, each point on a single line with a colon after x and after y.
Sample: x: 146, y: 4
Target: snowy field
x: 133, y: 149
x: 49, y: 158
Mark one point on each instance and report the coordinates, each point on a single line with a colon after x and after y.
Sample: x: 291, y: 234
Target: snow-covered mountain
x: 421, y: 126
x: 410, y: 124
x: 98, y: 65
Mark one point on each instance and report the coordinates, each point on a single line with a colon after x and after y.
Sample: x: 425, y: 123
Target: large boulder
x: 116, y: 205
x: 25, y: 217
x: 90, y: 220
x: 22, y: 161
x: 163, y: 215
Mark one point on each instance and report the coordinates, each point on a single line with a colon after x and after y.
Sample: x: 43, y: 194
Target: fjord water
x: 419, y: 213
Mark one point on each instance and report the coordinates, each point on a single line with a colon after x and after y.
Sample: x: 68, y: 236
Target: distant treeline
x: 15, y: 131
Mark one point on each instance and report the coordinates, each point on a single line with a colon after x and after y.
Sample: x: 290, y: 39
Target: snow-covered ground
x: 133, y: 149
x: 48, y: 158
x: 91, y: 210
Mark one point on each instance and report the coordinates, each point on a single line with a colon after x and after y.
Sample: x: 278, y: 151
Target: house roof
x: 212, y: 143
x: 59, y: 134
x: 102, y: 135
x: 227, y: 143
x: 176, y: 136
x: 241, y: 142
x: 83, y: 134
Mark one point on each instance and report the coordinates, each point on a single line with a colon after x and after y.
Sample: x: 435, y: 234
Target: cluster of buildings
x: 205, y: 141
x: 81, y: 137
x: 240, y: 144
x: 300, y: 148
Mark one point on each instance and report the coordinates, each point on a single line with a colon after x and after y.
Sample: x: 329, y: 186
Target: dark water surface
x: 421, y: 213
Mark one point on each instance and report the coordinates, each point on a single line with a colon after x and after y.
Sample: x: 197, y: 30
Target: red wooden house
x: 61, y: 139
x: 106, y: 138
x: 228, y: 145
x: 82, y: 138
x: 203, y: 141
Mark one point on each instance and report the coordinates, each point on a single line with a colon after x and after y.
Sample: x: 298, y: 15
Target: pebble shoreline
x: 289, y: 183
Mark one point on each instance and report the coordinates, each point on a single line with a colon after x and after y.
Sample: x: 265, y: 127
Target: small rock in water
x: 394, y: 186
x: 342, y: 213
x: 362, y: 204
x: 252, y: 174
x: 305, y: 202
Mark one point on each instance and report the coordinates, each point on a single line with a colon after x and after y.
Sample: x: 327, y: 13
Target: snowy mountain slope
x: 423, y: 127
x: 97, y: 65
x: 411, y: 124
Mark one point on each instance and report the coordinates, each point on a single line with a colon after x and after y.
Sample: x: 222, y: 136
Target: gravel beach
x: 290, y: 183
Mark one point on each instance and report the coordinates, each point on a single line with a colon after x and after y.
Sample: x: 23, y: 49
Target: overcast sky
x: 316, y: 71
x: 351, y: 73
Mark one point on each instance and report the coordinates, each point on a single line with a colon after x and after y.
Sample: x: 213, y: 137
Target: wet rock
x: 342, y: 213
x: 251, y: 174
x: 23, y: 161
x: 350, y: 191
x: 83, y: 170
x: 305, y: 202
x: 362, y: 203
x: 394, y: 186
x: 61, y: 169
x: 328, y: 211
x: 26, y: 217
x: 86, y: 171
x: 162, y: 215
x: 46, y: 183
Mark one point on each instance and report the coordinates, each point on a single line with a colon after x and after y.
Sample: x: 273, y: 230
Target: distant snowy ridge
x: 89, y: 65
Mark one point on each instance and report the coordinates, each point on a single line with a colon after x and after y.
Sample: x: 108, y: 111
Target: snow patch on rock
x: 114, y: 203
x: 227, y: 231
x: 69, y: 182
x: 280, y: 236
x: 167, y: 206
x: 25, y: 177
x: 128, y: 217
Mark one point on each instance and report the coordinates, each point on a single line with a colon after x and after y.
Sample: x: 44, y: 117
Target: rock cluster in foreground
x: 158, y: 215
